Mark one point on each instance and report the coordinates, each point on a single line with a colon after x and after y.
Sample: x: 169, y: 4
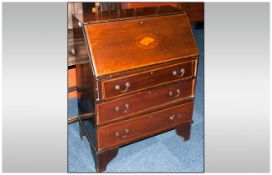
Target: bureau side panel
x: 85, y: 79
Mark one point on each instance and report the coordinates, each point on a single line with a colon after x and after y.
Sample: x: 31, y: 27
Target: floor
x: 162, y: 153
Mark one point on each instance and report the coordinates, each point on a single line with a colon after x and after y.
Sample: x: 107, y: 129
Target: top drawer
x: 128, y: 84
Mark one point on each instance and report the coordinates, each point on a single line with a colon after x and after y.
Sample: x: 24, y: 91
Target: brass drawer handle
x: 117, y: 134
x: 182, y: 71
x: 171, y: 94
x: 118, y: 109
x: 172, y: 117
x: 118, y: 87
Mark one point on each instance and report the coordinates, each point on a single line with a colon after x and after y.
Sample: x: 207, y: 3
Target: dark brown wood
x: 129, y: 5
x: 102, y: 158
x: 130, y: 130
x: 147, y: 79
x: 144, y: 101
x: 89, y: 129
x: 194, y: 11
x: 139, y: 78
x: 184, y: 131
x: 85, y: 88
x: 126, y: 14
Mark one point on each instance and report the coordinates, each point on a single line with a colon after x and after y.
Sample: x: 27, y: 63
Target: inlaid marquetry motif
x: 147, y: 41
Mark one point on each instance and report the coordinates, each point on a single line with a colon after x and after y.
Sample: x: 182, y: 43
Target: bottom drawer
x: 129, y: 130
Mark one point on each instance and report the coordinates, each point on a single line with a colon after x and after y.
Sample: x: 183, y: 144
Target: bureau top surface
x: 124, y: 45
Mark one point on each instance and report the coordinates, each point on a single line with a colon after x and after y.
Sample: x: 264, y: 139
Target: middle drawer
x: 144, y: 101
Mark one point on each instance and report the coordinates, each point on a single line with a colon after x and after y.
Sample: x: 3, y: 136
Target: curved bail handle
x: 118, y: 109
x: 182, y: 71
x: 118, y: 87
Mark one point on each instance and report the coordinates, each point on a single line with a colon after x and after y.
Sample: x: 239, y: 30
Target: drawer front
x: 125, y: 85
x: 137, y: 128
x: 144, y: 100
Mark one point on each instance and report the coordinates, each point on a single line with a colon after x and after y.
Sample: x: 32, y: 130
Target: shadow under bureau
x: 138, y: 79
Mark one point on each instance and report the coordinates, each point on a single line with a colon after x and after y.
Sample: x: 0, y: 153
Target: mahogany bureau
x: 139, y: 79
